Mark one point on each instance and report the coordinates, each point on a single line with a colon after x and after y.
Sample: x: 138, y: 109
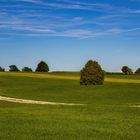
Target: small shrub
x: 26, y: 69
x: 92, y: 74
x: 13, y: 68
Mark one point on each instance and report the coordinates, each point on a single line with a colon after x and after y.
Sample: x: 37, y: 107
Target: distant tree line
x: 41, y: 67
x: 91, y: 73
x: 128, y: 71
x: 125, y: 71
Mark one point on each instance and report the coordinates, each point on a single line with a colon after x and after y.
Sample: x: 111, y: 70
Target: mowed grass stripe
x: 117, y: 80
x: 38, y: 75
x: 51, y: 76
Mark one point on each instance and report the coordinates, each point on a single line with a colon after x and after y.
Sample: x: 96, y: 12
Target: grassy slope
x: 107, y: 114
x: 74, y: 76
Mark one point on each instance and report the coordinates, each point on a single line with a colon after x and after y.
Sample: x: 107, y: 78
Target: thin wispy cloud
x: 64, y: 4
x: 80, y: 5
x: 47, y: 18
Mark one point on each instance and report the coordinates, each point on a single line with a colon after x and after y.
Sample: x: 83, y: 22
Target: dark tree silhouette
x: 27, y: 69
x: 137, y: 71
x: 2, y: 69
x: 13, y: 68
x: 42, y: 67
x: 92, y: 74
x: 126, y: 70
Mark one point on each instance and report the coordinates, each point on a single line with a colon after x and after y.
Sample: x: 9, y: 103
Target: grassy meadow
x: 108, y: 113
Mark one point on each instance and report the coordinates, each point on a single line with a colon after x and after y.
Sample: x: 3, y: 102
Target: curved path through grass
x: 16, y: 100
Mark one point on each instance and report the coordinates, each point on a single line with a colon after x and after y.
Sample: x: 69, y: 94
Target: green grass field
x: 107, y: 114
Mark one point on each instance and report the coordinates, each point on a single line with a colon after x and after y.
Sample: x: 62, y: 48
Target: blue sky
x: 66, y: 33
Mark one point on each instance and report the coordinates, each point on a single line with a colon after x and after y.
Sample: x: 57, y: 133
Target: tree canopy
x: 27, y: 69
x: 126, y: 70
x: 2, y: 69
x: 13, y: 68
x: 42, y: 67
x: 92, y: 74
x: 137, y: 71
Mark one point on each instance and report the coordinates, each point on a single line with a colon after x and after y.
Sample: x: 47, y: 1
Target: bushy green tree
x: 42, y: 67
x: 92, y: 74
x: 27, y: 69
x: 2, y: 69
x: 126, y: 70
x: 13, y: 68
x: 138, y: 71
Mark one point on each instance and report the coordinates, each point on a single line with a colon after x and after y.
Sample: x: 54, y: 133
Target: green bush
x: 42, y: 67
x: 126, y: 70
x: 92, y: 74
x: 2, y: 69
x: 26, y: 69
x: 13, y: 68
x: 137, y: 71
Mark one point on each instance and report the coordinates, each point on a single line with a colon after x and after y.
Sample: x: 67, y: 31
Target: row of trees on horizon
x: 43, y: 67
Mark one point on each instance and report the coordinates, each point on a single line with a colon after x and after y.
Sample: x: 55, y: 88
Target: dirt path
x: 23, y: 101
x: 136, y: 106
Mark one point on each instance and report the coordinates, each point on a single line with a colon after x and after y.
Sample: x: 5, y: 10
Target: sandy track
x: 23, y: 101
x: 136, y: 106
